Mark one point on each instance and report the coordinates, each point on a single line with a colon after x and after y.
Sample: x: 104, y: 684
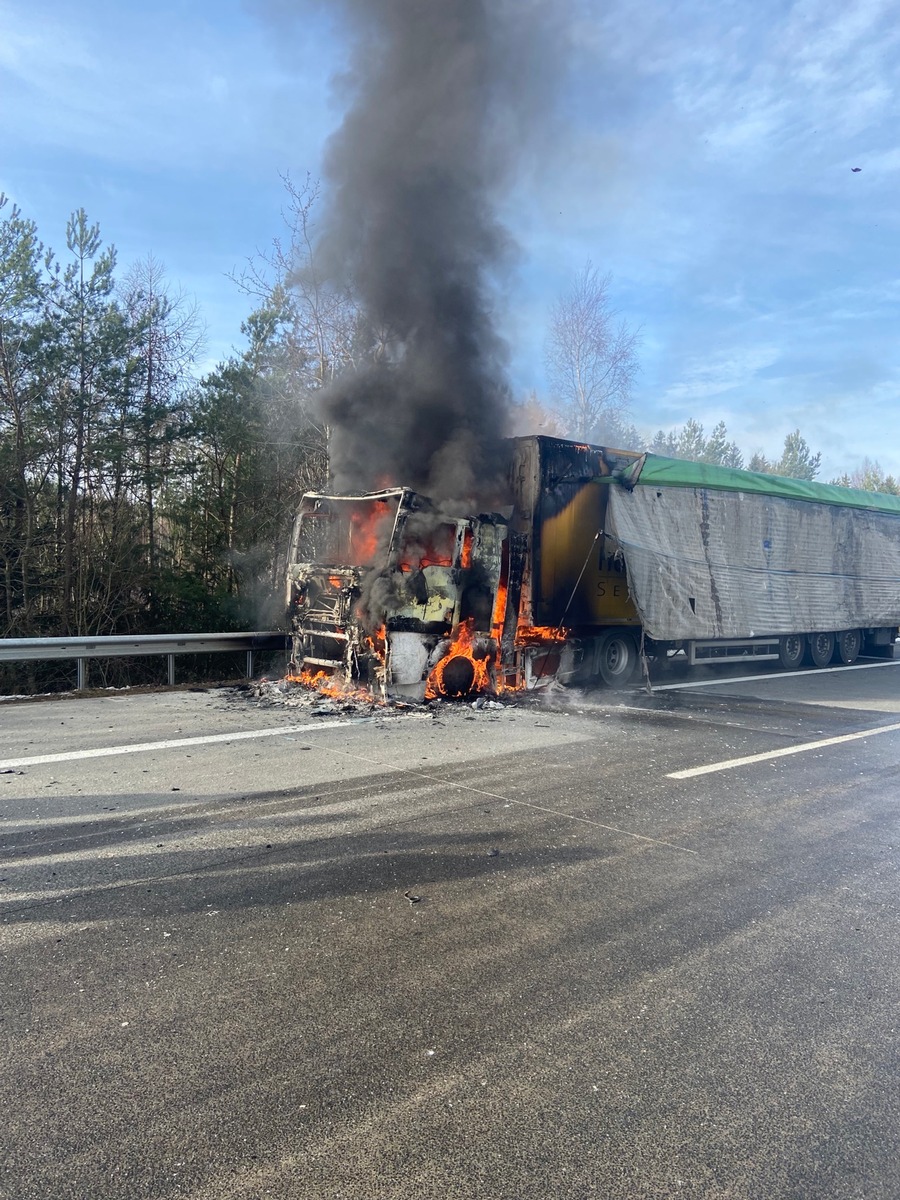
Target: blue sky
x: 701, y: 154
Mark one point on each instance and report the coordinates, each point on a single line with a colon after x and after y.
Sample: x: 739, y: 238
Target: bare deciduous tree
x: 323, y: 317
x: 591, y: 357
x: 869, y: 477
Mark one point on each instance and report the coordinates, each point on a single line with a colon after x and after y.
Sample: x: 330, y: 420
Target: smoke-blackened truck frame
x: 601, y: 558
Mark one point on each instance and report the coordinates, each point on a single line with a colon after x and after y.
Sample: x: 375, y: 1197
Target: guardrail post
x: 171, y: 658
x: 249, y: 664
x: 81, y: 674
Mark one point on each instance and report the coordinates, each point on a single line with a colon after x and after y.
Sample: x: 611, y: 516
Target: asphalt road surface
x: 600, y: 947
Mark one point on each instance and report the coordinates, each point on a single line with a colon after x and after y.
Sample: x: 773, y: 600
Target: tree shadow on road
x: 263, y: 849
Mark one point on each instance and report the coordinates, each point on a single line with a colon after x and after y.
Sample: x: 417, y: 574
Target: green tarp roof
x: 656, y: 471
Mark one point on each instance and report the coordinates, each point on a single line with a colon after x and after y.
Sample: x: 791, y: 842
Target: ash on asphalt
x: 282, y: 694
x: 785, y: 718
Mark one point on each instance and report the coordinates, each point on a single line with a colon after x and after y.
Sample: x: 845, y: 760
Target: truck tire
x: 820, y: 649
x: 790, y: 651
x: 847, y: 646
x: 616, y: 657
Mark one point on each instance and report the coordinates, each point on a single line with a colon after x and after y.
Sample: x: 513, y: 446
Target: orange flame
x: 460, y: 672
x: 330, y: 685
x: 365, y: 528
x: 499, y: 618
x: 465, y: 558
x: 526, y: 634
x: 377, y: 642
x: 543, y: 665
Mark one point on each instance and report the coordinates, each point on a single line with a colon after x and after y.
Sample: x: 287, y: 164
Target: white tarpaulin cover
x: 705, y: 563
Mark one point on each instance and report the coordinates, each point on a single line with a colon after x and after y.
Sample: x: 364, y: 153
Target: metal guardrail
x: 123, y: 646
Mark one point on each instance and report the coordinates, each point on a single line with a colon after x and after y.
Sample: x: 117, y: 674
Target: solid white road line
x: 810, y: 671
x: 170, y: 744
x: 728, y: 763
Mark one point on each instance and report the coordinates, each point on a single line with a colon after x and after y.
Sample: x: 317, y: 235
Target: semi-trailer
x: 599, y: 562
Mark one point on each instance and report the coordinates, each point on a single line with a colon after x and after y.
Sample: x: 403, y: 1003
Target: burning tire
x: 465, y: 668
x: 457, y: 677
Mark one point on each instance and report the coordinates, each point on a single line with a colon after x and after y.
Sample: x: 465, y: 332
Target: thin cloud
x: 146, y: 90
x: 721, y: 372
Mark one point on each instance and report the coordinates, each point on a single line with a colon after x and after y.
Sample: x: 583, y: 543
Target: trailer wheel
x: 820, y: 649
x: 617, y: 658
x: 790, y: 651
x: 847, y: 646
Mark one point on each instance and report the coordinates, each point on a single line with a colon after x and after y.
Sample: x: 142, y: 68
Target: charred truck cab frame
x: 601, y: 556
x: 380, y: 586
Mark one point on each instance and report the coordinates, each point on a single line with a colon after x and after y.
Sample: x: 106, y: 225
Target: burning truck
x: 602, y: 560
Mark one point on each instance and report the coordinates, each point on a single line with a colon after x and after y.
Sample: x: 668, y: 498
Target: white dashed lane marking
x: 37, y: 760
x: 729, y: 764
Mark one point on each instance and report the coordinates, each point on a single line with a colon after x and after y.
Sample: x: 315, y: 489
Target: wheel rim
x: 821, y: 648
x: 849, y: 643
x: 617, y: 658
x: 791, y: 650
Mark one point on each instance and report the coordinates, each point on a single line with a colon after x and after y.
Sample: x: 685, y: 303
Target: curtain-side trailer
x: 601, y: 558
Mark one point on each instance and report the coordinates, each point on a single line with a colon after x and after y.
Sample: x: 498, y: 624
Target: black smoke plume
x: 442, y: 97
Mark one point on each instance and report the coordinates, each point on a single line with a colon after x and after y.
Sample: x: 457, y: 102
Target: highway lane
x: 495, y: 952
